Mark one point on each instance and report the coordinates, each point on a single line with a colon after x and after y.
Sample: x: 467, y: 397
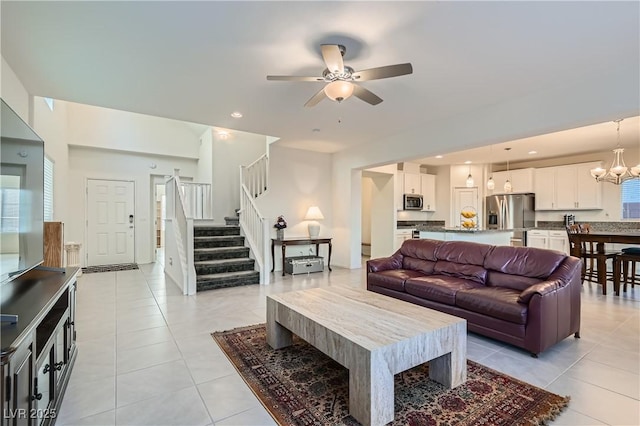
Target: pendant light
x: 618, y: 172
x: 491, y: 185
x: 507, y: 184
x: 470, y: 181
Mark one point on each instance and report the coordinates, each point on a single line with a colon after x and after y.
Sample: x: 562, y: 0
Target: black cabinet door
x: 22, y: 393
x: 71, y: 325
x: 5, y: 384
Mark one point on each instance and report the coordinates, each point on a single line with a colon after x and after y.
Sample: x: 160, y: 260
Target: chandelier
x: 618, y: 172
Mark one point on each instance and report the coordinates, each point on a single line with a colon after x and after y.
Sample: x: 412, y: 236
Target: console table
x: 298, y: 242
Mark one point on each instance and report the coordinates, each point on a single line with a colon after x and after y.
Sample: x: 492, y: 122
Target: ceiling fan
x: 341, y: 79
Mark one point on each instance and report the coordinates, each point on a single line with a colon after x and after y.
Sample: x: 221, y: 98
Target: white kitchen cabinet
x: 558, y: 240
x: 548, y: 239
x: 412, y: 183
x: 538, y: 238
x: 589, y: 191
x: 401, y: 236
x: 428, y: 191
x: 567, y: 188
x: 399, y: 190
x: 544, y: 189
x: 521, y: 180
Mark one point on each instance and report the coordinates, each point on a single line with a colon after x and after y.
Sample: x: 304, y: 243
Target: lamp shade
x: 314, y: 213
x: 338, y: 90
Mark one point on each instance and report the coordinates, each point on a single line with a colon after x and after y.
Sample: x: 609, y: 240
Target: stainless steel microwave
x: 412, y: 202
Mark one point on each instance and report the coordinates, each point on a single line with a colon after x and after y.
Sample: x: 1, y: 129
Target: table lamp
x: 314, y: 214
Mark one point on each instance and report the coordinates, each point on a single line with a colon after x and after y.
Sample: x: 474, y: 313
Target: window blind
x: 631, y: 199
x: 48, y: 189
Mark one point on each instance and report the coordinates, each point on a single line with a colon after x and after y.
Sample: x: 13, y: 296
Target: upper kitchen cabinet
x: 567, y: 188
x: 411, y: 183
x: 428, y: 191
x: 521, y: 180
x: 416, y: 183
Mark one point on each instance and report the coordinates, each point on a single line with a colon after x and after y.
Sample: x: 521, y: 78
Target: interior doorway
x: 159, y: 209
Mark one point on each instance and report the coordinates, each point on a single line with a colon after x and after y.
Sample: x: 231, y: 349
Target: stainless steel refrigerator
x: 512, y: 212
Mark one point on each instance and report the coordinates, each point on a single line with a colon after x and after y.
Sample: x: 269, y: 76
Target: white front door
x: 110, y: 222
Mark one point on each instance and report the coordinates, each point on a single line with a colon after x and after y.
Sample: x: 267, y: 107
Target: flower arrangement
x: 280, y: 223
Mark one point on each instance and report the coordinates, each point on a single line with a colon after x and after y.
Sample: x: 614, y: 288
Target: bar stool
x: 590, y: 255
x: 624, y: 262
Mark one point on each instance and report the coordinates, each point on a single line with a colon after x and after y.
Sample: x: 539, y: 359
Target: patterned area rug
x: 299, y: 385
x: 110, y: 268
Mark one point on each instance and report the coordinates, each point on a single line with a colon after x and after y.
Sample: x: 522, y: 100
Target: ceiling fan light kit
x: 340, y: 79
x: 338, y: 90
x: 618, y: 172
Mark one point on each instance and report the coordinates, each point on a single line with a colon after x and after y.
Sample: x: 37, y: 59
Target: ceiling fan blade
x: 293, y: 78
x: 366, y: 95
x: 316, y: 98
x: 332, y: 57
x: 383, y: 72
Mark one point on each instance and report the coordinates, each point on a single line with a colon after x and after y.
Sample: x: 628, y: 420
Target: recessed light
x: 316, y: 130
x: 438, y: 156
x: 533, y: 152
x: 467, y: 162
x: 236, y: 114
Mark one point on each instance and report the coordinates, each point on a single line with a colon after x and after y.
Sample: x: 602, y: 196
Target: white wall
x: 205, y: 158
x: 13, y: 92
x: 85, y: 163
x: 125, y: 131
x: 52, y: 128
x: 383, y: 215
x: 239, y: 149
x: 367, y: 195
x: 299, y: 179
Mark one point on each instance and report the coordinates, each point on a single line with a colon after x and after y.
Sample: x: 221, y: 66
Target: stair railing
x: 256, y: 232
x: 254, y: 180
x: 179, y: 239
x: 255, y: 176
x: 197, y: 199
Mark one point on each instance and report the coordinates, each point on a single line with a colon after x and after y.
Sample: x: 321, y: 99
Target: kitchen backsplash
x: 413, y: 223
x: 596, y: 226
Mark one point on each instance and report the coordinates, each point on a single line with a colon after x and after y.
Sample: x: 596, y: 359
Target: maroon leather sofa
x: 523, y: 296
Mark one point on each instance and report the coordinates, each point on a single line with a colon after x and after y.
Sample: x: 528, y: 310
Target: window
x: 10, y: 205
x: 49, y: 103
x: 631, y: 199
x: 48, y: 189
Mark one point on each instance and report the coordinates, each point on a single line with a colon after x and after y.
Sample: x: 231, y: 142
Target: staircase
x: 220, y: 258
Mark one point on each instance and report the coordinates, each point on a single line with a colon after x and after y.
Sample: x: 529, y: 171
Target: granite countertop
x: 458, y: 229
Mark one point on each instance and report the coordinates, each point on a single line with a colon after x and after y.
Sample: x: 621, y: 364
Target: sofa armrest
x: 385, y: 263
x: 542, y: 288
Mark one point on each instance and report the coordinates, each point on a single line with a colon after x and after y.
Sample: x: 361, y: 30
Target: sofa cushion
x: 463, y: 252
x: 424, y: 266
x: 525, y: 261
x: 516, y: 282
x: 393, y: 279
x: 420, y: 249
x: 497, y: 302
x: 461, y: 270
x: 438, y: 288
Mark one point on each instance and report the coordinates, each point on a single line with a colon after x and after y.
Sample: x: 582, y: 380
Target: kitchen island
x: 497, y: 237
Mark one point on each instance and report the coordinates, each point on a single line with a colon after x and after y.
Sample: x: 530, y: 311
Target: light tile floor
x: 146, y: 356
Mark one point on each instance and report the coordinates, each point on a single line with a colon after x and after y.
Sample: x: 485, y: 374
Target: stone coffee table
x: 375, y: 337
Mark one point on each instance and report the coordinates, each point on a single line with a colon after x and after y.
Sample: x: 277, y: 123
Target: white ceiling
x: 199, y: 61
